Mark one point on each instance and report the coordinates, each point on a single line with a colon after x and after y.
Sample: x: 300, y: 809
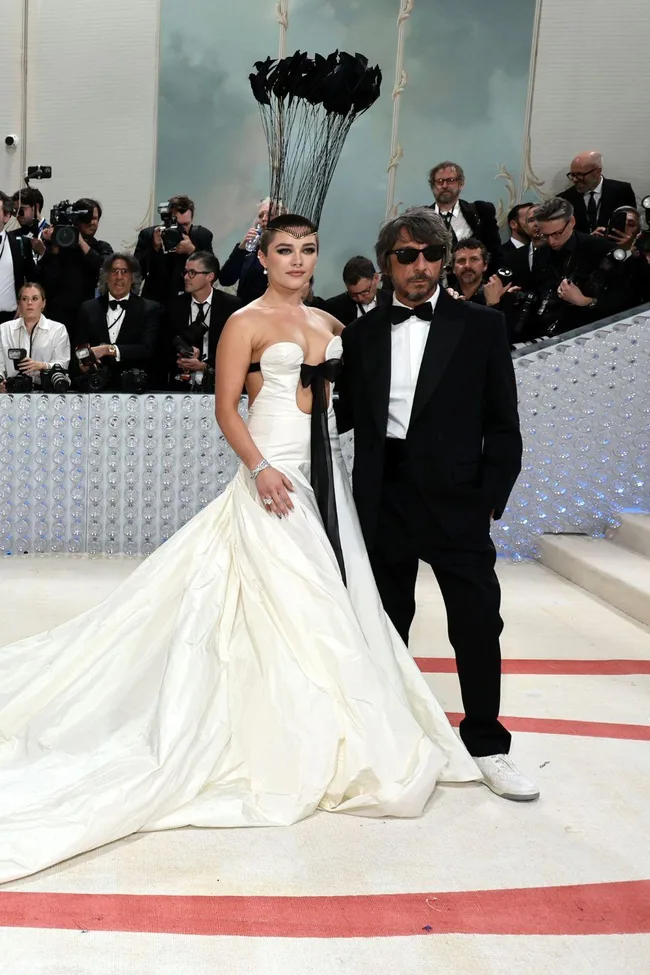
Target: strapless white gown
x: 232, y: 680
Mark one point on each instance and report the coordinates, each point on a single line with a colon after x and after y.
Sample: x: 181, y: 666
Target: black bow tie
x: 399, y: 314
x: 113, y: 305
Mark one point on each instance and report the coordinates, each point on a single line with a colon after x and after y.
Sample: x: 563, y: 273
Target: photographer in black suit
x: 197, y: 317
x: 463, y: 219
x: 16, y: 262
x: 70, y: 274
x: 362, y: 292
x: 429, y: 388
x: 161, y: 267
x: 593, y: 197
x: 120, y: 327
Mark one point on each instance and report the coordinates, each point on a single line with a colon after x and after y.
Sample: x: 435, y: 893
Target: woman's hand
x: 274, y: 486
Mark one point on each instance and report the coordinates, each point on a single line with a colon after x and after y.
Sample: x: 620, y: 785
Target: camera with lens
x: 134, y: 381
x: 56, y: 380
x: 171, y: 233
x: 95, y: 376
x: 18, y: 383
x: 65, y: 220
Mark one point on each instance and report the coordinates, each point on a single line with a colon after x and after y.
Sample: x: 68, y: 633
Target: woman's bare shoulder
x: 333, y: 324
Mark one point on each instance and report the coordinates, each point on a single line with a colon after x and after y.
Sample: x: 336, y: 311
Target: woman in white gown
x: 245, y: 674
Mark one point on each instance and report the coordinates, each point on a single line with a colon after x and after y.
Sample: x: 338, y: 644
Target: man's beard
x: 469, y: 277
x: 416, y: 295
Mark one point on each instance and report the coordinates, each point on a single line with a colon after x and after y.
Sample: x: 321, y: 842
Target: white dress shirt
x: 197, y: 377
x: 7, y: 281
x: 115, y: 320
x: 407, y: 340
x: 364, y: 309
x: 459, y: 224
x: 516, y: 243
x: 48, y: 343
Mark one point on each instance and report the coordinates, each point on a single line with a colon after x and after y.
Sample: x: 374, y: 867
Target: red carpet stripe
x: 560, y: 726
x: 610, y: 908
x: 447, y: 665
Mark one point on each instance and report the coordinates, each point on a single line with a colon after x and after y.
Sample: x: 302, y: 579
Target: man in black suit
x: 362, y: 292
x: 120, y: 327
x: 198, y: 318
x: 163, y: 272
x: 429, y: 388
x: 463, y: 219
x: 593, y: 197
x: 16, y: 262
x: 569, y: 270
x: 519, y: 237
x: 70, y: 274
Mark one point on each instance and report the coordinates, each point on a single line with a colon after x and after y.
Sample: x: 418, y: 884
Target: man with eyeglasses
x: 429, y: 388
x: 163, y: 272
x: 568, y: 274
x: 592, y: 196
x: 362, y: 292
x: 197, y: 317
x: 120, y: 327
x: 462, y: 218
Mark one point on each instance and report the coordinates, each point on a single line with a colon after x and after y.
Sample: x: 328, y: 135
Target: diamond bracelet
x: 262, y: 466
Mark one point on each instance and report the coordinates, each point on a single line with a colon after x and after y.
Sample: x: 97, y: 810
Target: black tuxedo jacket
x: 177, y: 322
x: 163, y: 273
x: 345, y: 309
x: 244, y: 269
x: 23, y: 259
x: 463, y: 443
x: 615, y: 194
x: 137, y: 336
x: 481, y: 217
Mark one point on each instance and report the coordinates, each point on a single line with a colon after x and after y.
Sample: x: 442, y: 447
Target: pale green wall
x: 468, y: 75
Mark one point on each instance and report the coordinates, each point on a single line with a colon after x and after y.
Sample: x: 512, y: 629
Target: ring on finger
x: 267, y: 501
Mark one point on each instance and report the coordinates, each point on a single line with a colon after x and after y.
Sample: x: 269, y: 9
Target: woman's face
x: 31, y: 303
x: 290, y: 263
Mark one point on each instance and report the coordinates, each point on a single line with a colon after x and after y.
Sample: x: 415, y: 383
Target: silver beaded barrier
x: 118, y: 474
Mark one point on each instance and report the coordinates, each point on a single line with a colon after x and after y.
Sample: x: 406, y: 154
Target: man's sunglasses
x: 409, y: 255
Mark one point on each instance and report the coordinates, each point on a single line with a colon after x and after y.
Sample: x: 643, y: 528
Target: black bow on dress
x: 322, y: 475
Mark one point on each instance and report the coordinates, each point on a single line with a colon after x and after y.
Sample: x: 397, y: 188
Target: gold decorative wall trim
x: 282, y: 16
x: 401, y: 81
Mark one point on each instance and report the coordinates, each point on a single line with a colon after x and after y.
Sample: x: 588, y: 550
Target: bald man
x: 594, y: 197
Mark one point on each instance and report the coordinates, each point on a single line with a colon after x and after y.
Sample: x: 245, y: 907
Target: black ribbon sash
x: 322, y: 474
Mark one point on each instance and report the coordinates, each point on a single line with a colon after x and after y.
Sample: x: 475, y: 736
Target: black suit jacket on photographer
x: 163, y: 273
x: 70, y: 277
x: 243, y: 268
x: 136, y: 340
x: 346, y: 310
x: 580, y: 260
x: 615, y: 194
x: 23, y: 260
x: 481, y: 218
x: 177, y: 322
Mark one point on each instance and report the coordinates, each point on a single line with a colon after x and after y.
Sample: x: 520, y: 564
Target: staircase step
x: 634, y: 533
x: 613, y: 573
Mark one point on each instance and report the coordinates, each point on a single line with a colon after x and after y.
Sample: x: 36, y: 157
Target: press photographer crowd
x: 74, y: 314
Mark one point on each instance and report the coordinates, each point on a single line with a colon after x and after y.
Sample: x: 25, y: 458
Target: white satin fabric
x: 231, y: 680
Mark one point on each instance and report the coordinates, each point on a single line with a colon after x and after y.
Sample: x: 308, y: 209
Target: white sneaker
x: 502, y: 776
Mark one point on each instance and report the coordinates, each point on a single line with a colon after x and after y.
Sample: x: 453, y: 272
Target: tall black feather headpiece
x: 308, y: 106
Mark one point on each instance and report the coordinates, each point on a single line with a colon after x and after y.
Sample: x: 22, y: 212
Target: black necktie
x: 399, y: 314
x: 200, y: 315
x: 114, y: 305
x: 447, y: 217
x: 592, y: 212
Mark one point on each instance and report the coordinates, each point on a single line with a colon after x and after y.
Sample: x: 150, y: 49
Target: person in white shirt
x: 45, y: 342
x: 462, y: 218
x: 428, y: 387
x: 16, y: 261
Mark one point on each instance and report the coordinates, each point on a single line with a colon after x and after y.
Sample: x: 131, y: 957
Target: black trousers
x: 464, y: 568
